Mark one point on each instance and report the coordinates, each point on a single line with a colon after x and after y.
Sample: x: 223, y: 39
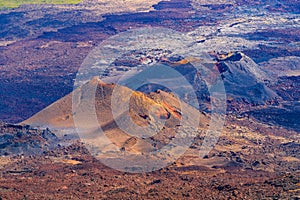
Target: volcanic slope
x: 243, y: 79
x: 155, y: 117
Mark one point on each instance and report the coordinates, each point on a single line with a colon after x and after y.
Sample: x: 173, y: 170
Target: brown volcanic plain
x: 256, y: 157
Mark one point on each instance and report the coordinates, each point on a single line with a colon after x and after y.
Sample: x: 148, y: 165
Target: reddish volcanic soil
x: 252, y: 44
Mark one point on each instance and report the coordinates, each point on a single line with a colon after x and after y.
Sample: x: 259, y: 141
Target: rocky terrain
x: 58, y: 150
x: 49, y: 47
x: 245, y: 164
x: 251, y: 160
x: 25, y: 140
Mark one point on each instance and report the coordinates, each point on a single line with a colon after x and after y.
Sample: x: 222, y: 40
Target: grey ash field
x: 253, y: 45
